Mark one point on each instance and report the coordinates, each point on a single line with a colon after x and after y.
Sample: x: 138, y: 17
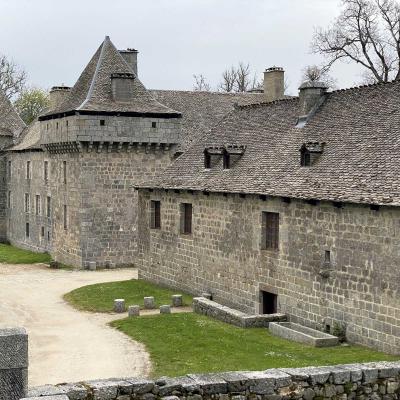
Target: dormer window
x: 229, y: 154
x: 310, y: 153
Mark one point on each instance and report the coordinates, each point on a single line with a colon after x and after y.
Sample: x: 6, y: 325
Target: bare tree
x: 367, y: 32
x: 228, y: 80
x: 12, y: 77
x: 238, y: 79
x: 314, y: 73
x: 201, y: 84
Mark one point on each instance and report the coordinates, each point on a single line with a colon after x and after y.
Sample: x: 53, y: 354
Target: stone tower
x: 105, y: 135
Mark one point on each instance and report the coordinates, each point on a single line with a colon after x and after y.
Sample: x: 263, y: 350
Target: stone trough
x: 302, y: 334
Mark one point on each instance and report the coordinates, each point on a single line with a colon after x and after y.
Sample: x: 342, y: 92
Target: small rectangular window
x: 42, y: 231
x: 27, y: 230
x: 327, y: 257
x: 64, y: 172
x: 305, y: 159
x: 48, y: 206
x: 154, y: 124
x: 9, y: 202
x: 226, y: 160
x: 186, y: 218
x: 9, y: 170
x: 207, y: 160
x: 102, y: 122
x: 48, y: 236
x: 46, y: 171
x: 65, y: 218
x: 37, y: 205
x: 27, y: 202
x: 66, y: 123
x: 155, y: 214
x: 270, y: 231
x: 28, y: 170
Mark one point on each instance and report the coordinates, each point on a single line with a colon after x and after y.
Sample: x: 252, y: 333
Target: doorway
x: 269, y: 302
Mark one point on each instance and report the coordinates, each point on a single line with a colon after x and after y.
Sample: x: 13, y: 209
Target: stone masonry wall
x: 5, y: 141
x: 358, y: 289
x: 109, y: 202
x: 345, y: 382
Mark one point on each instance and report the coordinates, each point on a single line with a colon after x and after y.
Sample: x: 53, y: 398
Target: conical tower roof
x: 11, y: 123
x: 92, y: 93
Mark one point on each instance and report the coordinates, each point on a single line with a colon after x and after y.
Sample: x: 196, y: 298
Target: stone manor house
x: 269, y: 203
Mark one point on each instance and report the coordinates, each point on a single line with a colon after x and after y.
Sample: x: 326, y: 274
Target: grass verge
x: 190, y: 343
x: 100, y: 297
x: 13, y: 255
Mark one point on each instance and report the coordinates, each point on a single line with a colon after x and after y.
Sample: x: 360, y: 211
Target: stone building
x: 69, y: 185
x: 288, y: 206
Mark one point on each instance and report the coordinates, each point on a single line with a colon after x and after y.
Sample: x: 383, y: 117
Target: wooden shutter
x: 270, y: 231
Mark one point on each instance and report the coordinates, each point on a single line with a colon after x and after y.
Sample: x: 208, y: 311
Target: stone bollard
x: 177, y: 300
x: 92, y: 265
x: 13, y: 363
x: 149, y: 303
x: 119, y: 305
x: 165, y: 309
x: 133, y: 311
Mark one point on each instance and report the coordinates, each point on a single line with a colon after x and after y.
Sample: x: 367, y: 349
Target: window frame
x: 155, y: 214
x: 27, y: 203
x: 28, y: 170
x: 186, y: 218
x: 270, y: 231
x: 48, y: 206
x: 38, y: 204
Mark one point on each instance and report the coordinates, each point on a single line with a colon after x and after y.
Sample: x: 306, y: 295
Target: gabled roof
x: 92, y: 91
x: 11, y: 123
x: 29, y: 139
x: 360, y: 162
x: 202, y: 110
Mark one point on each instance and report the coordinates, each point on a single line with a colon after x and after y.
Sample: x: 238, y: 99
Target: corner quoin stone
x: 13, y: 363
x: 149, y: 303
x: 119, y: 305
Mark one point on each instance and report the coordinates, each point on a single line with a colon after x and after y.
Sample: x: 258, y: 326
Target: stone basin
x: 302, y: 334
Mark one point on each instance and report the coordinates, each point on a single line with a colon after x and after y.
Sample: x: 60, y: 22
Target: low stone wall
x: 345, y: 382
x: 201, y: 305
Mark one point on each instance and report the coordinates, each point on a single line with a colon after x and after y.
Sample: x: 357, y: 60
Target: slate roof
x: 11, y: 123
x: 360, y: 162
x: 92, y: 91
x: 202, y: 110
x: 29, y: 139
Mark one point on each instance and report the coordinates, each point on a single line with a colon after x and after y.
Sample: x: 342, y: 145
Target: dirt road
x: 66, y: 345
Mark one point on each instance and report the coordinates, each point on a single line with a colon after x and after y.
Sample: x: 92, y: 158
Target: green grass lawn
x: 190, y: 343
x: 100, y: 297
x: 12, y: 255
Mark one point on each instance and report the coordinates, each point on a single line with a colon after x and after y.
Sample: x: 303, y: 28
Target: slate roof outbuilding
x: 360, y: 162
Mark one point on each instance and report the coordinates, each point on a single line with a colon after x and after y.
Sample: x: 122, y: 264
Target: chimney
x: 274, y: 83
x: 311, y: 95
x: 130, y: 56
x: 57, y: 95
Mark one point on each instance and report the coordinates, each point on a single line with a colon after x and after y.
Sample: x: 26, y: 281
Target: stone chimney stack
x: 130, y: 56
x: 57, y: 95
x: 274, y: 84
x: 311, y: 95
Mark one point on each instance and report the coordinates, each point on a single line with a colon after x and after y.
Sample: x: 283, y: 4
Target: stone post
x: 119, y: 305
x: 177, y: 300
x: 133, y: 311
x: 13, y: 363
x: 149, y: 303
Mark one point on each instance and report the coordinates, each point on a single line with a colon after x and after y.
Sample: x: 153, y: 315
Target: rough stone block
x: 13, y: 348
x: 119, y: 305
x: 177, y: 300
x: 149, y: 303
x: 92, y: 265
x: 13, y: 383
x: 165, y: 309
x: 55, y: 397
x: 133, y: 311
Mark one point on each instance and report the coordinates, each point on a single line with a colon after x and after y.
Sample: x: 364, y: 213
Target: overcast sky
x: 54, y: 40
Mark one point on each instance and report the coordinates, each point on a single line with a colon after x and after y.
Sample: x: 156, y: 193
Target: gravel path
x: 66, y: 345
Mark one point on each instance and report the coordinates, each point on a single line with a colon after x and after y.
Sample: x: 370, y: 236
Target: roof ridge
x: 393, y: 81
x: 92, y: 83
x: 268, y: 103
